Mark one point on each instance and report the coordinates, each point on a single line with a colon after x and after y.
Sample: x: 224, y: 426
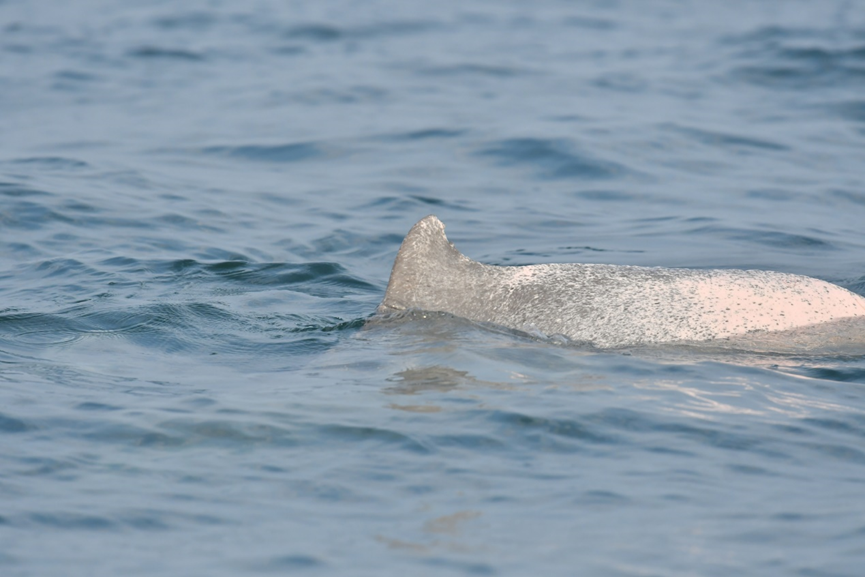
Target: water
x: 199, y: 206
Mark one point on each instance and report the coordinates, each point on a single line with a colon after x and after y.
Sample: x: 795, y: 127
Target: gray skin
x: 607, y: 305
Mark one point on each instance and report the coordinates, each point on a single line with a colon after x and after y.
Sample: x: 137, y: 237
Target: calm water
x: 199, y: 206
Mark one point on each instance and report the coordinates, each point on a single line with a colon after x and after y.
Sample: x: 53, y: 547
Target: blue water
x: 200, y: 203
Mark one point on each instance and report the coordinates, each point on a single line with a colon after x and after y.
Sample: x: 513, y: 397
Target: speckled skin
x: 607, y: 305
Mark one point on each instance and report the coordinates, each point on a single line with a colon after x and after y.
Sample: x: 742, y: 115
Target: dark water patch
x: 145, y: 522
x: 850, y: 196
x: 280, y: 153
x: 78, y: 206
x: 318, y: 278
x: 331, y: 325
x: 770, y: 238
x: 590, y: 23
x: 640, y: 422
x: 111, y: 321
x: 51, y: 163
x: 14, y: 189
x: 425, y: 134
x: 288, y: 50
x: 13, y: 425
x: 455, y: 565
x: 345, y: 242
x: 157, y: 52
x: 316, y: 32
x: 602, y: 498
x: 430, y: 201
x: 551, y: 158
x: 541, y: 430
x: 857, y: 286
x: 37, y: 329
x: 777, y: 239
x: 852, y: 110
x: 774, y: 194
x: 15, y: 48
x: 126, y: 434
x: 73, y: 81
x: 608, y: 195
x: 283, y: 563
x: 28, y: 215
x: 622, y: 82
x: 322, y: 97
x: 483, y: 443
x: 324, y: 33
x: 823, y: 55
x: 750, y: 470
x: 74, y: 521
x: 185, y: 223
x: 843, y: 374
x: 778, y: 77
x: 791, y: 59
x: 92, y: 406
x: 226, y: 433
x: 280, y: 274
x: 197, y: 21
x: 839, y: 452
x: 854, y: 425
x: 733, y: 142
x: 207, y: 329
x: 409, y: 203
x: 376, y: 435
x: 469, y: 70
x: 64, y: 268
x: 201, y: 327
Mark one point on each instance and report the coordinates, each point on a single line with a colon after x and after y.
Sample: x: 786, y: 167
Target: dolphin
x: 603, y: 305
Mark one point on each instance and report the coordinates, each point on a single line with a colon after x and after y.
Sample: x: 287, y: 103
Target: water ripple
x: 783, y: 58
x: 293, y: 152
x: 552, y: 159
x: 157, y: 52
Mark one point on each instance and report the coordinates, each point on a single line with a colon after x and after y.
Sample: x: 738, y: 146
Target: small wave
x: 288, y: 563
x: 409, y: 204
x: 778, y: 57
x: 590, y: 23
x: 76, y: 521
x: 840, y: 373
x: 293, y: 152
x: 13, y: 425
x: 770, y: 238
x: 543, y: 430
x: 469, y: 69
x: 853, y: 110
x: 52, y: 162
x: 553, y: 159
x: 17, y: 190
x: 424, y: 134
x: 154, y: 52
x: 733, y: 142
x: 320, y: 32
x: 190, y: 21
x: 32, y: 216
x: 263, y: 274
x: 371, y: 435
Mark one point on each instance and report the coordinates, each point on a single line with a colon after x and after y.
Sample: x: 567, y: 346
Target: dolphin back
x: 607, y: 305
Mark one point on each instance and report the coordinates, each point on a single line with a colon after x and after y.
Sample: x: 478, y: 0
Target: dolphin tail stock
x: 423, y: 269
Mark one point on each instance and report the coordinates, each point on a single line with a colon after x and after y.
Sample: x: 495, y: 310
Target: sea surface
x: 200, y: 203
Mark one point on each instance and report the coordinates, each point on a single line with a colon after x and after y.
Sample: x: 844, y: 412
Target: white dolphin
x: 607, y: 305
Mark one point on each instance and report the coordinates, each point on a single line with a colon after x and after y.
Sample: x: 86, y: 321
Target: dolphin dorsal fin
x: 421, y: 265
